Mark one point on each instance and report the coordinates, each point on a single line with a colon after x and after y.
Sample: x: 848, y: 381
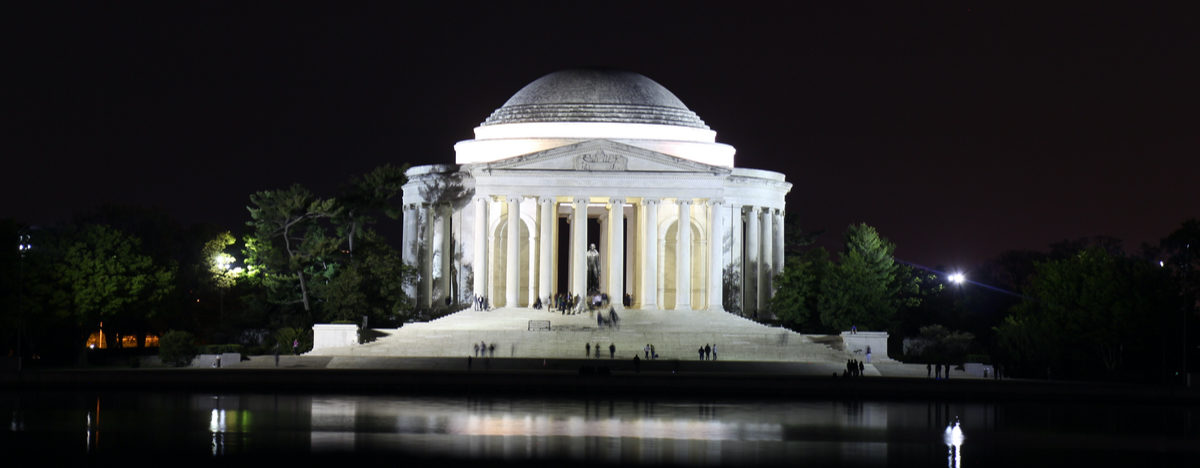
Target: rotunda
x: 603, y: 158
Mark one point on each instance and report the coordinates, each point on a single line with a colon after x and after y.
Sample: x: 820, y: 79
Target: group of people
x: 935, y: 371
x: 612, y: 350
x: 854, y: 368
x: 708, y: 352
x: 612, y: 320
x: 482, y: 349
x: 649, y: 350
x: 481, y: 303
x: 565, y: 303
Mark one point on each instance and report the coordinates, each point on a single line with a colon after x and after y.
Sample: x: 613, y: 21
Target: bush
x: 177, y: 348
x: 285, y: 337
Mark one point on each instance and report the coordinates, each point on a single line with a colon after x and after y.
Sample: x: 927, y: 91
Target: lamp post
x: 23, y: 245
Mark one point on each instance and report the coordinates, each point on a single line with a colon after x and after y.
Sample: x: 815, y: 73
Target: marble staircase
x: 522, y: 332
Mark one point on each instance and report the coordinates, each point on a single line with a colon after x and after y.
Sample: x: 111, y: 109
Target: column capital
x: 545, y: 200
x: 715, y: 202
x: 514, y: 198
x: 616, y: 201
x: 683, y: 201
x: 579, y: 201
x: 649, y: 201
x: 481, y: 198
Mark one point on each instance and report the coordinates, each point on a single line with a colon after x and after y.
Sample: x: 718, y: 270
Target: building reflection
x: 618, y: 431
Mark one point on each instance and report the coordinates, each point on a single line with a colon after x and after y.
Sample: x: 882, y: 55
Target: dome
x: 595, y: 95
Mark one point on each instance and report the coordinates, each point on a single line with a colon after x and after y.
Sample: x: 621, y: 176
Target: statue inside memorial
x: 593, y: 268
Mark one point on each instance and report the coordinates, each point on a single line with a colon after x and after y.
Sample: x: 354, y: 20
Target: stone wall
x: 326, y: 335
x: 858, y: 343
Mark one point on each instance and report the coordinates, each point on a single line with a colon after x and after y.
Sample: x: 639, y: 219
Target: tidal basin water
x: 619, y: 431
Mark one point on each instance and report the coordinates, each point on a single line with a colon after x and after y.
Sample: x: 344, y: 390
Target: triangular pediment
x: 603, y: 156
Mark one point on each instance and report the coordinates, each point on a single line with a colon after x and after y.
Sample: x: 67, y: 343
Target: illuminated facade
x: 602, y: 157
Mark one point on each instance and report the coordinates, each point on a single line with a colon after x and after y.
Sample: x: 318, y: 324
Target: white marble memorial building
x: 602, y: 157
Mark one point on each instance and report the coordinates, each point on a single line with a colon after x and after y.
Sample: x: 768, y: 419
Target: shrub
x: 285, y: 336
x: 177, y: 348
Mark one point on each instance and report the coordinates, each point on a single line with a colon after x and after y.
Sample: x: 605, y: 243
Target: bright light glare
x: 957, y: 278
x: 223, y: 260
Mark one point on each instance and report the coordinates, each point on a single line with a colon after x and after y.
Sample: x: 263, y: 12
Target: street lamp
x: 957, y: 278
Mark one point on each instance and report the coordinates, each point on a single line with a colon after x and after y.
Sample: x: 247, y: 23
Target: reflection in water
x: 609, y: 430
x: 953, y: 437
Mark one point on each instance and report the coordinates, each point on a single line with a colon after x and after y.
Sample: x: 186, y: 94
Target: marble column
x: 445, y: 251
x: 533, y: 260
x: 735, y: 255
x: 683, y: 257
x: 425, y: 257
x: 716, y: 249
x: 650, y: 251
x: 616, y: 251
x: 408, y: 251
x: 779, y: 245
x: 547, y: 224
x: 768, y: 258
x: 752, y: 263
x: 480, y: 269
x: 512, y: 261
x: 602, y: 223
x: 579, y: 246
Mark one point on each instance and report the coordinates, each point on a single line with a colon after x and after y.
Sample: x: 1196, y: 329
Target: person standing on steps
x: 587, y: 349
x: 612, y: 350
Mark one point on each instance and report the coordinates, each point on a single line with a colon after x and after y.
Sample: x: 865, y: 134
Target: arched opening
x: 499, y: 262
x: 697, y: 270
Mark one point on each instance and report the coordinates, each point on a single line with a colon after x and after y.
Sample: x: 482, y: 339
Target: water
x: 224, y: 427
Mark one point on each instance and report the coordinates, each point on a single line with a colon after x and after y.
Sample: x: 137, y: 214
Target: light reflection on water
x: 616, y: 431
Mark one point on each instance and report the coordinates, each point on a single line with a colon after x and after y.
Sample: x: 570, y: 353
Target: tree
x: 796, y: 299
x: 863, y: 289
x: 97, y: 273
x: 1089, y: 315
x: 939, y: 344
x: 288, y: 245
x: 366, y: 196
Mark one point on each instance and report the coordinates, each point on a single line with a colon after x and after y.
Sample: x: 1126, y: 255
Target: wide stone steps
x: 674, y: 334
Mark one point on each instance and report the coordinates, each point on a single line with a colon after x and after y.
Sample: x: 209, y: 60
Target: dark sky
x: 958, y: 133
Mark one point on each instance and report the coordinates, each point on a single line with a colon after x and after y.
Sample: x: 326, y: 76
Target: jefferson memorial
x: 594, y: 171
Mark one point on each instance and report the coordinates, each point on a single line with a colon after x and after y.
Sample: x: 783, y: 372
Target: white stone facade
x: 630, y: 190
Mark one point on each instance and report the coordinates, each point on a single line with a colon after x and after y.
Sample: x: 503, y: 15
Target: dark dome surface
x: 595, y: 95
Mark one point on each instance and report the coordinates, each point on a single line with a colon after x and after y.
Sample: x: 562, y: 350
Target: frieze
x: 601, y: 161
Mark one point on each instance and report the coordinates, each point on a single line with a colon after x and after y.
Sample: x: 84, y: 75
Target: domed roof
x: 595, y: 95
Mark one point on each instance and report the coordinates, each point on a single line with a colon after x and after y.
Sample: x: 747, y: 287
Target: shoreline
x: 585, y: 377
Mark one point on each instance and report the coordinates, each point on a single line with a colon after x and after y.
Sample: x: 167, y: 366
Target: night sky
x: 959, y: 133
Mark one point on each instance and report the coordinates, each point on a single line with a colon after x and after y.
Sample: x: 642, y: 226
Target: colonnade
x: 747, y: 239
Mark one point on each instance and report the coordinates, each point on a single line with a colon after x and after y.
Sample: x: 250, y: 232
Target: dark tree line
x: 303, y: 258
